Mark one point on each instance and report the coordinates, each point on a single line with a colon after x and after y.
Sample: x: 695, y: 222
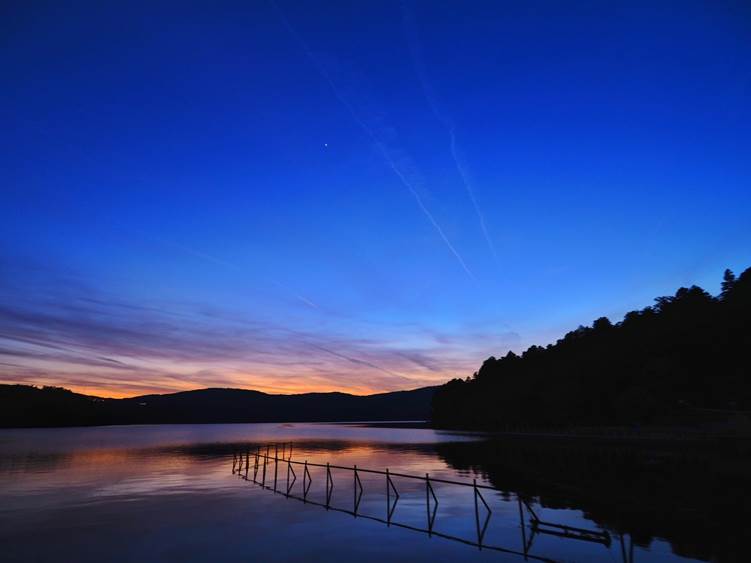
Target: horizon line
x: 41, y: 387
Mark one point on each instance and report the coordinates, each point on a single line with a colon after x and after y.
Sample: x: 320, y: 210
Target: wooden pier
x: 262, y: 466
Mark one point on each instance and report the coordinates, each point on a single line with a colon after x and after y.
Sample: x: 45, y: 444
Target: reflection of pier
x: 274, y: 470
x: 539, y: 526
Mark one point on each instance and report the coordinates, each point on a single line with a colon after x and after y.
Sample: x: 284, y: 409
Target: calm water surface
x: 168, y: 493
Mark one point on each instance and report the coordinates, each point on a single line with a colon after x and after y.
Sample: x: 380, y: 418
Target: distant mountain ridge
x: 28, y: 406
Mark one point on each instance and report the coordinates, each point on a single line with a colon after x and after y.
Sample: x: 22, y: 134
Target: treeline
x: 668, y: 364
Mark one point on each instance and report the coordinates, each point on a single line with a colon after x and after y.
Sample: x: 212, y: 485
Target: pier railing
x: 273, y: 468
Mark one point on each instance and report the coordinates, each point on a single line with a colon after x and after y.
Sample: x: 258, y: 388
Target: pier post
x: 265, y: 462
x: 477, y: 513
x: 276, y: 464
x: 431, y: 515
x: 427, y: 502
x: 329, y: 485
x: 389, y: 507
x: 524, y: 531
x: 354, y: 491
x: 306, y: 482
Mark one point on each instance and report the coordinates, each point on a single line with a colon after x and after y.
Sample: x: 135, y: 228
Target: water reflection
x: 268, y: 459
x: 168, y: 493
x: 695, y: 496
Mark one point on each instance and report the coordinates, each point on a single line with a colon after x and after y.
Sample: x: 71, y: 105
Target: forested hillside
x: 665, y: 364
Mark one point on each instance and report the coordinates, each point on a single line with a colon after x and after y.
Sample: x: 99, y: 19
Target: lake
x: 180, y: 493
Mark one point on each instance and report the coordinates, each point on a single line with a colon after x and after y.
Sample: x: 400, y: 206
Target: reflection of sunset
x: 121, y: 485
x: 98, y: 468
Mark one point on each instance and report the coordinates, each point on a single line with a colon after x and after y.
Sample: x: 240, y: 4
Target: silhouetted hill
x: 23, y: 405
x: 683, y: 361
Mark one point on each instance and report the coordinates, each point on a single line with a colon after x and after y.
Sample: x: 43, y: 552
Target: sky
x: 355, y: 196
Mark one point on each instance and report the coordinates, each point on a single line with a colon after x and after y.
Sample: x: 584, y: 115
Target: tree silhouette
x: 663, y: 364
x: 728, y: 281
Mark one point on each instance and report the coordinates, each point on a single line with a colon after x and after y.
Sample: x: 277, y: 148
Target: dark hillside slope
x: 678, y: 362
x: 22, y: 405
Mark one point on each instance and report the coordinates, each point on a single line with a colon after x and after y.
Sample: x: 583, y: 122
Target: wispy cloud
x: 226, y: 264
x: 389, y: 154
x: 57, y: 333
x: 443, y: 117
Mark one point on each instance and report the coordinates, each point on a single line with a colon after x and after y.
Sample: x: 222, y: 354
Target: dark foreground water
x: 168, y: 493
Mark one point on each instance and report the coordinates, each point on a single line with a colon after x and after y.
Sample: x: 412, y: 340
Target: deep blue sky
x: 355, y: 196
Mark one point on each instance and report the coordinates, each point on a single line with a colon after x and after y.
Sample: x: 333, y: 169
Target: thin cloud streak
x: 357, y: 361
x: 468, y: 186
x: 320, y: 68
x: 430, y: 96
x: 77, y: 337
x: 224, y: 263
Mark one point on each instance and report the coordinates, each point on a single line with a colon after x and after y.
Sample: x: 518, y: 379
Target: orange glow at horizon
x: 140, y: 388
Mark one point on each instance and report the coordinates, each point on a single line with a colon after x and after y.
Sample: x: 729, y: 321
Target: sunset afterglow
x: 364, y: 198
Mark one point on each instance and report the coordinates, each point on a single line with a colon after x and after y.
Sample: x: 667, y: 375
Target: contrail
x: 358, y: 361
x: 197, y: 254
x: 304, y: 300
x: 297, y: 296
x: 231, y: 266
x: 465, y: 180
x: 430, y: 96
x: 370, y: 133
